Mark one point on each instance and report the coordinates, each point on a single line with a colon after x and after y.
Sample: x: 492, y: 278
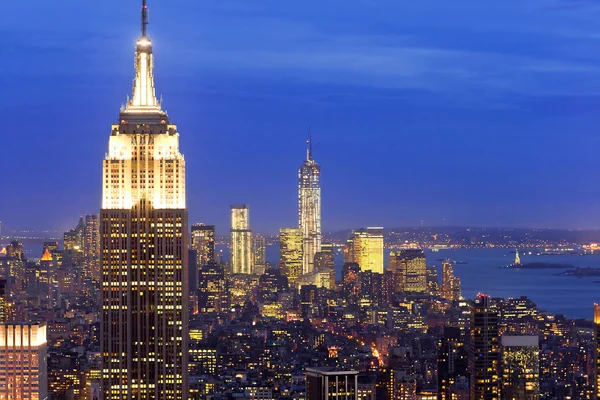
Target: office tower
x: 325, y: 266
x: 260, y: 255
x: 3, y: 301
x: 144, y: 242
x: 309, y: 208
x: 367, y: 249
x: 327, y: 383
x: 48, y: 277
x: 23, y: 374
x: 203, y: 242
x: 91, y: 251
x: 520, y: 367
x: 241, y: 240
x: 453, y: 364
x: 271, y: 283
x: 410, y: 268
x: 450, y: 283
x: 597, y: 347
x: 290, y: 250
x: 212, y: 292
x: 485, y: 351
x: 308, y: 301
x: 75, y: 238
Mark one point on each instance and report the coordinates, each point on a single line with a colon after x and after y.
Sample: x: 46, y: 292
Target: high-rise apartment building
x: 241, y: 240
x: 520, y: 367
x: 450, y: 283
x: 367, y: 249
x: 91, y: 250
x: 23, y: 364
x: 485, y: 353
x: 260, y: 254
x: 144, y: 242
x: 202, y: 240
x: 327, y: 383
x: 309, y: 209
x: 290, y: 253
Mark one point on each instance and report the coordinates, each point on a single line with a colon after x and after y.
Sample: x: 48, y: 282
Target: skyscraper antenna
x: 309, y: 144
x: 144, y: 18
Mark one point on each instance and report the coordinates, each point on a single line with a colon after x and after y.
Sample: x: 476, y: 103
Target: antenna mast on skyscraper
x: 144, y: 18
x: 309, y: 144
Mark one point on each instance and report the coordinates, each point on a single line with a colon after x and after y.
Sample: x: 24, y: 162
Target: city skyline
x: 133, y: 304
x: 479, y: 151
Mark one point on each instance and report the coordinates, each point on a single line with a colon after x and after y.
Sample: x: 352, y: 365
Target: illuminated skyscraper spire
x: 144, y: 247
x: 309, y: 208
x: 144, y: 95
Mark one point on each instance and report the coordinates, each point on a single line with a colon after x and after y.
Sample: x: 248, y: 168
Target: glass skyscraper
x: 309, y: 209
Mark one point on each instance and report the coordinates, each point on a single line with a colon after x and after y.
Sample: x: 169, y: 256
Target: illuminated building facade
x: 290, y: 249
x: 410, y: 269
x: 309, y: 209
x: 520, y: 367
x: 325, y: 267
x: 367, y: 249
x: 203, y: 241
x: 212, y: 293
x: 143, y: 230
x: 75, y: 238
x: 485, y: 363
x: 453, y: 364
x: 327, y: 383
x: 450, y: 283
x: 47, y: 277
x: 241, y: 240
x: 91, y: 251
x: 23, y: 372
x: 260, y: 254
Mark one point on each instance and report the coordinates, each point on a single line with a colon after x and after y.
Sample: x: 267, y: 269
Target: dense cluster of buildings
x: 137, y: 305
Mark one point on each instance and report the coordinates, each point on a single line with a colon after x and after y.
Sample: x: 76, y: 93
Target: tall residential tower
x: 309, y: 209
x: 143, y: 233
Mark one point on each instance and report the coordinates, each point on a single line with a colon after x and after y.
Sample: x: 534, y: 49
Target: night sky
x: 451, y: 113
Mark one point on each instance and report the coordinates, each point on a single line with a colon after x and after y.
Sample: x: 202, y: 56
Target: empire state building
x: 144, y: 248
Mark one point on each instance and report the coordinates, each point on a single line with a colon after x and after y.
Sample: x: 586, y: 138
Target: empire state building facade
x: 309, y: 209
x: 144, y: 248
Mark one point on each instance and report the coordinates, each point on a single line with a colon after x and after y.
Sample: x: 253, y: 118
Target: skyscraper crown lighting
x: 143, y: 247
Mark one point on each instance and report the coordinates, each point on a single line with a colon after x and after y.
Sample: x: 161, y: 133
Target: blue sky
x: 461, y: 113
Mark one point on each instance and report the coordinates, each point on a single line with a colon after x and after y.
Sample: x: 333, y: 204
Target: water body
x: 571, y: 296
